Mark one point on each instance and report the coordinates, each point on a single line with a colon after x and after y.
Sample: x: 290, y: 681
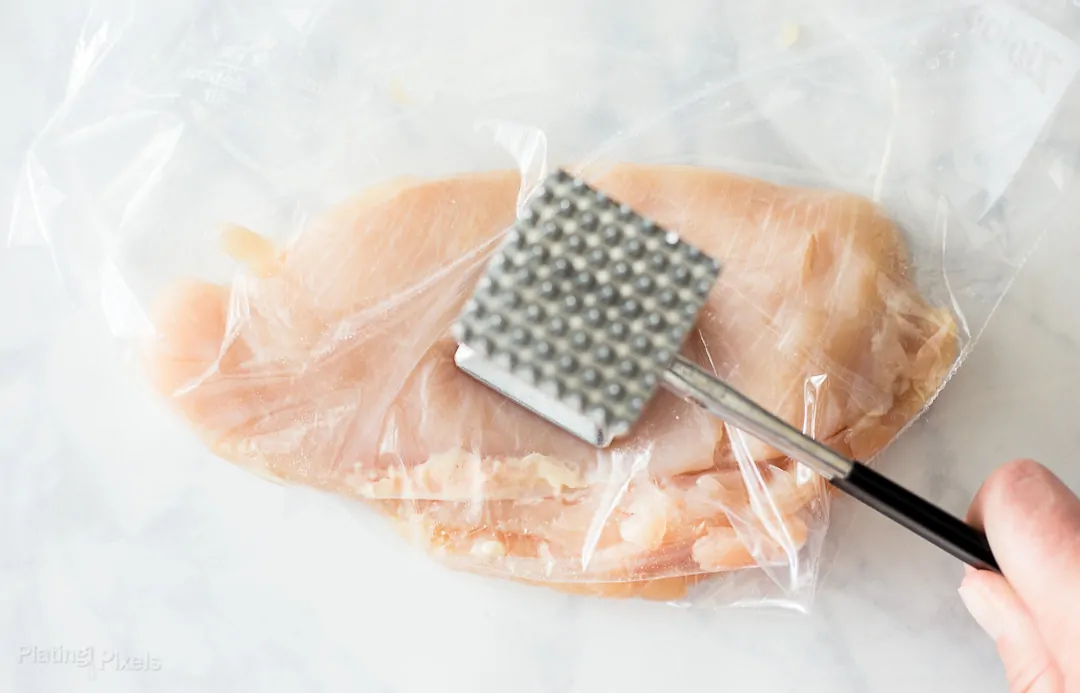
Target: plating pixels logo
x: 90, y: 658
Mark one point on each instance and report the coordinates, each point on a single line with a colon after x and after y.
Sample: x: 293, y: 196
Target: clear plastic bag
x: 277, y: 208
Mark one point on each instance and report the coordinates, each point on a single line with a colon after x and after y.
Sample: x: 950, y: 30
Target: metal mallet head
x: 580, y: 317
x: 582, y: 309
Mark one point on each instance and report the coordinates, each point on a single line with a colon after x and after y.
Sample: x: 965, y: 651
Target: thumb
x: 994, y: 605
x: 1033, y: 523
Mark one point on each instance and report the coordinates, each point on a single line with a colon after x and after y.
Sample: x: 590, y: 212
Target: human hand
x: 1032, y: 611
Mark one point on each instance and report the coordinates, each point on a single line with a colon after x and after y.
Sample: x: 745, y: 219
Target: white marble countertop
x: 191, y: 575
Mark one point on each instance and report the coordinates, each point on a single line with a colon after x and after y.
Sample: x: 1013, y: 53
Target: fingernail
x: 981, y: 607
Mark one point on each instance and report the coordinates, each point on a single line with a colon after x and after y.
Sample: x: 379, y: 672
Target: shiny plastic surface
x: 279, y: 229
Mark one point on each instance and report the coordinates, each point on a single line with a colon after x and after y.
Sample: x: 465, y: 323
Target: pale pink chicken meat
x: 330, y: 364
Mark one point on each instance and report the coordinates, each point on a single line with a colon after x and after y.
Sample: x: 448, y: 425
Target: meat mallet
x: 580, y: 315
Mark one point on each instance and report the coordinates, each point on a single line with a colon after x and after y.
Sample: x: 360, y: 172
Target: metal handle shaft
x: 690, y: 382
x: 945, y: 531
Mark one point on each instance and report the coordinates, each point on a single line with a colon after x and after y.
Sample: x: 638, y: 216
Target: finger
x: 1033, y: 523
x: 994, y: 605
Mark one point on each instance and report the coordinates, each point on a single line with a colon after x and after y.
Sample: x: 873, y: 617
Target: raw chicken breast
x: 330, y: 364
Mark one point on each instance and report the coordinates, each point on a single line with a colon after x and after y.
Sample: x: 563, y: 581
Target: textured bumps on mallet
x: 588, y: 301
